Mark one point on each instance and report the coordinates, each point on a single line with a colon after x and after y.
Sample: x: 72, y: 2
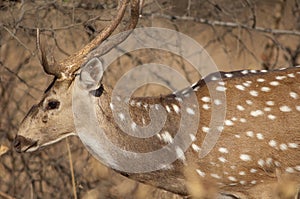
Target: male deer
x: 258, y: 146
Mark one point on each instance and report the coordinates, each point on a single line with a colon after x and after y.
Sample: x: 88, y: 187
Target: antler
x: 106, y: 47
x: 66, y: 68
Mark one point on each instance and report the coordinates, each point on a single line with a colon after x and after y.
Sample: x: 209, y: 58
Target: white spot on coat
x: 228, y: 75
x: 223, y: 150
x: 215, y: 176
x: 272, y: 143
x: 133, y: 126
x: 271, y: 117
x: 111, y: 106
x: 167, y: 137
x: 205, y: 106
x: 231, y: 178
x: 121, y: 116
x: 256, y: 113
x: 259, y: 136
x: 245, y: 157
x: 242, y: 182
x: 201, y: 173
x: 193, y: 137
x: 132, y: 103
x: 243, y: 120
x: 205, y: 99
x: 270, y: 103
x: 293, y: 145
x: 274, y: 83
x: 253, y: 182
x: 249, y: 102
x: 280, y: 77
x: 220, y: 128
x: 240, y: 108
x: 246, y: 84
x: 156, y: 106
x: 242, y: 173
x: 176, y: 108
x: 285, y: 108
x: 240, y: 87
x: 178, y: 99
x: 294, y: 95
x: 253, y: 93
x: 220, y: 88
x: 244, y: 72
x: 217, y: 102
x: 228, y: 123
x: 269, y: 161
x: 261, y: 162
x: 222, y: 159
x: 289, y: 170
x: 260, y: 80
x: 253, y: 170
x: 265, y: 89
x: 145, y: 106
x: 283, y: 147
x: 205, y: 129
x: 168, y: 109
x: 196, y: 148
x: 250, y: 134
x: 190, y: 111
x: 180, y: 153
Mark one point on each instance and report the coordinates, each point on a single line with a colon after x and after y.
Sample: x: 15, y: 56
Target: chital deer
x: 258, y: 146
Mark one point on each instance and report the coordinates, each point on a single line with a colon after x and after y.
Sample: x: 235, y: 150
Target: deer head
x: 43, y: 125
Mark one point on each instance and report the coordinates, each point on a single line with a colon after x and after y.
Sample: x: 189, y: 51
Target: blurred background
x: 240, y: 34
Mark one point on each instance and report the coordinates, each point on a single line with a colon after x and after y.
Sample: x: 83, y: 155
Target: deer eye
x: 52, y: 104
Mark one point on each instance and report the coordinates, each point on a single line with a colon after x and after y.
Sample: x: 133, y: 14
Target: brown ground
x: 66, y: 26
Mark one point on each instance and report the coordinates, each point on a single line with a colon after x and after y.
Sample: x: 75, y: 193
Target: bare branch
x: 135, y: 13
x: 229, y: 24
x: 6, y: 196
x: 16, y: 38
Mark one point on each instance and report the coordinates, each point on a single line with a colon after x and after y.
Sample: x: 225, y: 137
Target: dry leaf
x: 3, y: 149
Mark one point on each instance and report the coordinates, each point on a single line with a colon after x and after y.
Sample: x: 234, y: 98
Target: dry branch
x: 227, y: 24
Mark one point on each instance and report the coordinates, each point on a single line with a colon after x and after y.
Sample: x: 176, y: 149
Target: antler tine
x: 71, y: 64
x: 43, y: 58
x: 135, y: 13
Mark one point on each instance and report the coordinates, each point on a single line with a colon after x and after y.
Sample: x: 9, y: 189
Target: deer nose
x: 21, y: 144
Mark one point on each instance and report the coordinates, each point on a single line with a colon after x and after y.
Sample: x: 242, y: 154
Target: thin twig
x: 227, y: 24
x: 6, y: 196
x: 72, y: 169
x: 74, y: 25
x: 16, y: 38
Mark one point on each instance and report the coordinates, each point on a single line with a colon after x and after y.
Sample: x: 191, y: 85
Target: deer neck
x: 112, y: 118
x: 140, y: 117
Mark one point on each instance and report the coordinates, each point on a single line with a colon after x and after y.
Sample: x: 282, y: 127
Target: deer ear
x: 91, y: 74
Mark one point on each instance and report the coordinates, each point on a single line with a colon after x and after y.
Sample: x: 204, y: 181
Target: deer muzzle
x: 22, y: 144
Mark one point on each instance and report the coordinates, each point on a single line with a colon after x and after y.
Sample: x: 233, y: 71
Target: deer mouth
x: 32, y: 148
x: 22, y: 144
